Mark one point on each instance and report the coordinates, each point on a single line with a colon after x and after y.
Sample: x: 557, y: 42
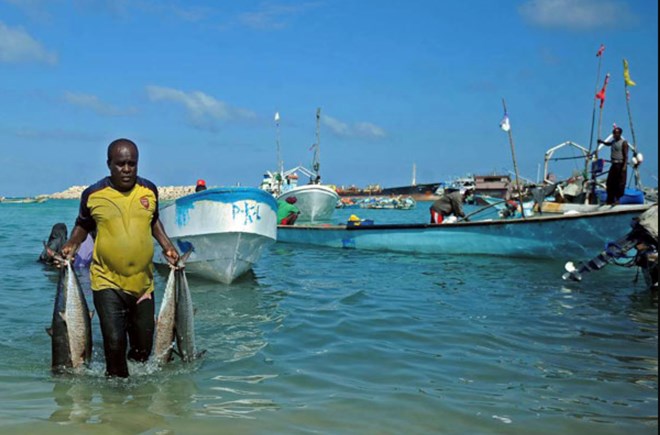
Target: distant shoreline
x: 164, y: 193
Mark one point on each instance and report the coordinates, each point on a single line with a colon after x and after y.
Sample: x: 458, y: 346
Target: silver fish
x: 71, y: 327
x: 175, y: 318
x: 166, y: 322
x: 185, y: 325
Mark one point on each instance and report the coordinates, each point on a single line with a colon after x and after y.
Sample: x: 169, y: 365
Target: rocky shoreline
x: 165, y: 193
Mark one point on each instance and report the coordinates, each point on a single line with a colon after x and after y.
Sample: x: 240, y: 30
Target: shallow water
x: 342, y: 341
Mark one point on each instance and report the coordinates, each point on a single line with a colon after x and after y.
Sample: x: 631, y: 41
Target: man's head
x: 123, y: 164
x: 617, y: 132
x: 201, y: 185
x: 291, y: 199
x: 467, y: 195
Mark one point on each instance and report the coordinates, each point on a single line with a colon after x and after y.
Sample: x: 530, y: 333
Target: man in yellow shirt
x: 123, y: 209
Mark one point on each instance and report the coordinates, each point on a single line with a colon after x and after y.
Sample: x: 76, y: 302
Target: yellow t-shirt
x: 123, y: 248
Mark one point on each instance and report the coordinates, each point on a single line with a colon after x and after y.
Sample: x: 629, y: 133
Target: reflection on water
x: 129, y: 407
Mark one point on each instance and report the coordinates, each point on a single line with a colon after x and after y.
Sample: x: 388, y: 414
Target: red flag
x: 601, y: 95
x: 600, y: 50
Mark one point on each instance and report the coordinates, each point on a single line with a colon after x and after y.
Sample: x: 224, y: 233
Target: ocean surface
x: 329, y: 341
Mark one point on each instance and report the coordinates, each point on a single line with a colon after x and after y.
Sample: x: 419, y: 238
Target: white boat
x: 460, y: 184
x: 316, y: 201
x: 227, y: 229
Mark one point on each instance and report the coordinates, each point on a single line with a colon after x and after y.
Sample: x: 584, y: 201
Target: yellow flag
x: 626, y: 74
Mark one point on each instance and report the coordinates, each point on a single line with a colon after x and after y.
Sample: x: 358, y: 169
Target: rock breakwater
x: 165, y: 193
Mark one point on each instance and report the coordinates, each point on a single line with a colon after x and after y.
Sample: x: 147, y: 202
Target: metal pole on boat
x: 515, y: 165
x: 626, y: 77
x: 316, y: 165
x: 599, y: 96
x: 280, y: 169
x: 588, y: 160
x: 600, y: 110
x: 599, y: 55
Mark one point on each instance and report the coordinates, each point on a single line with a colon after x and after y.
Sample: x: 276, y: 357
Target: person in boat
x: 201, y: 185
x: 616, y: 177
x: 287, y: 212
x: 123, y: 209
x: 511, y: 209
x: 449, y: 205
x: 56, y: 239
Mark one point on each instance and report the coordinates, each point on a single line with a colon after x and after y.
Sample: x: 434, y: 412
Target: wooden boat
x: 227, y: 229
x: 37, y: 200
x: 539, y: 236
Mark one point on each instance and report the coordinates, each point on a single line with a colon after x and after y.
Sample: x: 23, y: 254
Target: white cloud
x: 359, y: 129
x: 271, y: 16
x: 92, y: 102
x: 179, y: 10
x: 35, y: 9
x: 17, y: 46
x: 576, y: 14
x: 203, y: 110
x: 57, y: 134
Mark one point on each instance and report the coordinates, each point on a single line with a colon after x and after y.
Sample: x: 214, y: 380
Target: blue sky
x: 196, y: 85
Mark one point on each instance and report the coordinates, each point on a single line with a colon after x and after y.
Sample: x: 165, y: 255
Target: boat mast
x: 316, y: 163
x: 280, y: 166
x: 515, y: 166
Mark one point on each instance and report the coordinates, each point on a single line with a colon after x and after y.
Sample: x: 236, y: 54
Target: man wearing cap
x: 287, y: 212
x: 201, y: 185
x: 616, y: 177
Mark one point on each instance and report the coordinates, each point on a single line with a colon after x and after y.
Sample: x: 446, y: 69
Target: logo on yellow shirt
x: 145, y: 202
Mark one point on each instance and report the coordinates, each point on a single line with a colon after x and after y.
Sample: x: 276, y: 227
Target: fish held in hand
x: 71, y: 327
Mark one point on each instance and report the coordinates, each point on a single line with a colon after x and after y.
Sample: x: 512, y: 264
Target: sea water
x: 331, y: 341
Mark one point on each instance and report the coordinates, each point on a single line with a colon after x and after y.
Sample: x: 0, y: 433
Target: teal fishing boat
x: 542, y: 236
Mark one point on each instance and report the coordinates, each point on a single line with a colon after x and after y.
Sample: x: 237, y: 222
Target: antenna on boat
x: 316, y: 162
x: 280, y: 167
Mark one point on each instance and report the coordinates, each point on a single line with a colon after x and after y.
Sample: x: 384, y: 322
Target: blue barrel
x: 632, y: 196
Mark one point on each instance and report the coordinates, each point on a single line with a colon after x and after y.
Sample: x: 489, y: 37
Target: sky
x: 400, y: 84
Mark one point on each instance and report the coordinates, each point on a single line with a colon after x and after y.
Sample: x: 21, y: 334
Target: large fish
x: 71, y: 328
x: 185, y: 326
x: 165, y: 323
x: 175, y: 319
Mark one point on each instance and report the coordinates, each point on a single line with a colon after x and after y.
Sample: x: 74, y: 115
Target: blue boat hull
x: 542, y: 236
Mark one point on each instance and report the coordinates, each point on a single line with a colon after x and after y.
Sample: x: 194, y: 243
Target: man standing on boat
x: 616, y: 177
x: 449, y: 204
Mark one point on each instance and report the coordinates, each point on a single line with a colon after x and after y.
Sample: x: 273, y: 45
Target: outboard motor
x: 643, y: 238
